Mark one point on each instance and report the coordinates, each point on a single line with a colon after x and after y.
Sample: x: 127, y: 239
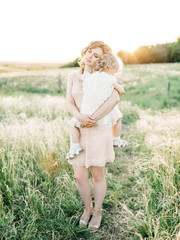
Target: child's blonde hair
x: 93, y: 44
x: 107, y: 61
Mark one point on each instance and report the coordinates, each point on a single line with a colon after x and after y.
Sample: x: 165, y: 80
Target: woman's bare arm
x: 69, y: 99
x: 84, y: 119
x: 119, y: 88
x: 107, y: 106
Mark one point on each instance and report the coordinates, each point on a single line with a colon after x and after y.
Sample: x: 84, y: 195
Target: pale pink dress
x: 97, y: 143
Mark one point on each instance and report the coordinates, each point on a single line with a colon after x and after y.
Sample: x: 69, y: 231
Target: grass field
x: 38, y: 193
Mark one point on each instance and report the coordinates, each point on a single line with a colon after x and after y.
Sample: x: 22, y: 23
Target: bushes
x: 71, y: 64
x: 169, y: 52
x: 159, y: 53
x: 174, y: 52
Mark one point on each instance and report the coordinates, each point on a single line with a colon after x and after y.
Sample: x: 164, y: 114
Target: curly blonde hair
x: 107, y: 61
x: 93, y: 44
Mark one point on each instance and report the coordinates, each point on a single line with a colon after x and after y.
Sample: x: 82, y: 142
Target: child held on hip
x: 97, y: 88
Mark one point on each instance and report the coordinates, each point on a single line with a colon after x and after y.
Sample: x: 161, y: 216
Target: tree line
x: 159, y: 53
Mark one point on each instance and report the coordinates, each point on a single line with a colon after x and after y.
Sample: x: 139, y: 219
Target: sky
x: 57, y: 30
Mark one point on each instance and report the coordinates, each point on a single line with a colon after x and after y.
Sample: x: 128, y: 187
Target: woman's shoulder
x: 74, y: 75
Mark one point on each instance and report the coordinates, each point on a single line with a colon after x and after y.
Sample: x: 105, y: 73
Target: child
x: 97, y: 88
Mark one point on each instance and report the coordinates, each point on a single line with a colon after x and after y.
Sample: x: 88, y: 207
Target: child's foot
x: 119, y: 143
x: 74, y: 152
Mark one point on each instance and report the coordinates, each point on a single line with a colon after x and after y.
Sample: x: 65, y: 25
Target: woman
x: 97, y: 143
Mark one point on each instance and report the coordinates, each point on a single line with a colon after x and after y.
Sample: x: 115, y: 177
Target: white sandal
x: 74, y: 152
x: 119, y: 143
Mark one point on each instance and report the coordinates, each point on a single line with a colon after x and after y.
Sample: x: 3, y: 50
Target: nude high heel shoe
x: 95, y: 220
x: 85, y: 217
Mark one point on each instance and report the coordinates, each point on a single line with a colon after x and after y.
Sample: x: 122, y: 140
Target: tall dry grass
x: 38, y: 193
x: 34, y: 124
x: 157, y: 172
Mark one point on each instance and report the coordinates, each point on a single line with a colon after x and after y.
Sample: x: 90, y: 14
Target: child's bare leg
x: 117, y: 128
x: 75, y: 146
x: 75, y: 134
x: 118, y: 142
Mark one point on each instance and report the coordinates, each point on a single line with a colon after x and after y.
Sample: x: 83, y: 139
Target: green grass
x: 33, y: 84
x: 147, y: 86
x: 38, y: 193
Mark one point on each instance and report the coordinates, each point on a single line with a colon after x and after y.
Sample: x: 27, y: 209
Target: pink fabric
x: 97, y: 147
x: 97, y: 143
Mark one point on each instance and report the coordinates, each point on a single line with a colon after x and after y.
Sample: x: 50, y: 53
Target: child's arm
x: 119, y: 88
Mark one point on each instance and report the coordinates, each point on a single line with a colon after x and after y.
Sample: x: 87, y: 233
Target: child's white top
x: 97, y: 87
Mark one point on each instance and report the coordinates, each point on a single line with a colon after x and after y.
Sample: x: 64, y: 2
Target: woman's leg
x: 84, y: 186
x: 99, y: 186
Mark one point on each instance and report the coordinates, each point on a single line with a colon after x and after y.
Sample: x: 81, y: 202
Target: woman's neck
x: 87, y: 69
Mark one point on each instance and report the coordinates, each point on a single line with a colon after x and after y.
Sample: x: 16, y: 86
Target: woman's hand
x: 86, y: 120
